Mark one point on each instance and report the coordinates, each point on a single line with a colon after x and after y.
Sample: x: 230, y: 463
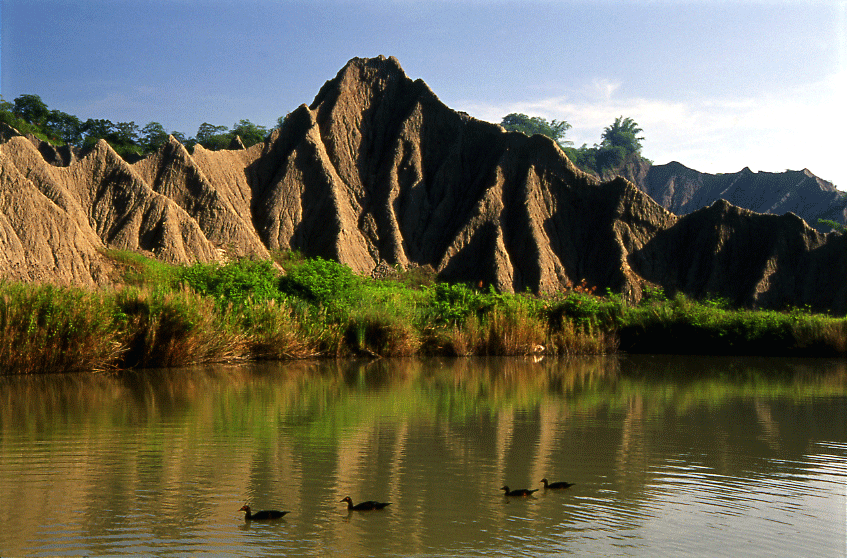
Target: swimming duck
x: 260, y: 515
x: 365, y: 506
x: 519, y: 491
x: 556, y: 485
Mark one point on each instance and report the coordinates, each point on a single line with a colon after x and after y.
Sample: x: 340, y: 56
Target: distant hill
x: 682, y: 190
x: 378, y: 170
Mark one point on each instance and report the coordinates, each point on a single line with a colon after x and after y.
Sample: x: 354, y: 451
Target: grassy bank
x: 302, y: 308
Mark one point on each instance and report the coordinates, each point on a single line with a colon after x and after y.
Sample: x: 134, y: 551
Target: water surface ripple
x: 670, y: 457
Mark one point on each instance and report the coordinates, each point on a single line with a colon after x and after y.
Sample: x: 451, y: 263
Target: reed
x: 174, y: 328
x: 274, y: 333
x: 512, y: 331
x: 379, y: 332
x: 45, y: 328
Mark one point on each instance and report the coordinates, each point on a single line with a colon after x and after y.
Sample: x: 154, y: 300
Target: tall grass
x: 275, y: 333
x: 174, y: 328
x: 684, y: 326
x: 159, y: 315
x: 44, y: 328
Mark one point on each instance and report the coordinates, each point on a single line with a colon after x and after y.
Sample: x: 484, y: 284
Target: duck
x: 365, y: 506
x: 556, y: 485
x: 261, y: 515
x: 519, y: 491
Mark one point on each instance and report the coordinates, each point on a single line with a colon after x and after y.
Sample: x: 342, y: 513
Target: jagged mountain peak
x: 377, y: 170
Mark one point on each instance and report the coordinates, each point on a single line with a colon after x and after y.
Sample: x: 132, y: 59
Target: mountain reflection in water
x: 669, y: 456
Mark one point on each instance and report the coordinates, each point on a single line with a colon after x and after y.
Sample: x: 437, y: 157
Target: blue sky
x: 715, y: 85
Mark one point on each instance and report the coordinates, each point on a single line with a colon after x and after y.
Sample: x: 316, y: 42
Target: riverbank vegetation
x: 294, y: 308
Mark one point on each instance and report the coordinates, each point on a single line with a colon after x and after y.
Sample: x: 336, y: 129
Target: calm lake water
x: 670, y: 456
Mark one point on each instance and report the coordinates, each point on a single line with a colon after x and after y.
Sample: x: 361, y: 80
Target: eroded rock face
x: 682, y: 190
x: 377, y: 170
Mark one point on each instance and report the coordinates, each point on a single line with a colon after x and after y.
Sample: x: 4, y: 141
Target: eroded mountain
x: 377, y: 169
x: 682, y: 190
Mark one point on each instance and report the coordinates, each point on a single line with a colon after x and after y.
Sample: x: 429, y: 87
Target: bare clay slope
x: 377, y: 169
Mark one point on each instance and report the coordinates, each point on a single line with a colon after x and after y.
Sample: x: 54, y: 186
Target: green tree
x: 31, y: 108
x: 834, y: 225
x: 153, y: 136
x: 66, y: 127
x: 126, y: 133
x: 622, y: 133
x: 250, y: 133
x: 531, y: 125
x: 212, y: 137
x: 122, y: 137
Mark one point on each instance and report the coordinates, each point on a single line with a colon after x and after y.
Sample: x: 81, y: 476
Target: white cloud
x: 803, y: 128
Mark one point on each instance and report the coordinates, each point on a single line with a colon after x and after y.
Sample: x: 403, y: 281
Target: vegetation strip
x: 294, y: 308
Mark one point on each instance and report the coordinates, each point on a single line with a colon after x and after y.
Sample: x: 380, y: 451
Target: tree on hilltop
x: 531, y: 125
x: 623, y: 133
x: 31, y: 108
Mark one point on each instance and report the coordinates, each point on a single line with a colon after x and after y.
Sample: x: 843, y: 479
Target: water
x: 670, y: 456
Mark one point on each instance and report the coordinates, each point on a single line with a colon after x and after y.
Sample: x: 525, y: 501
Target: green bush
x: 325, y: 283
x: 235, y: 282
x: 453, y: 304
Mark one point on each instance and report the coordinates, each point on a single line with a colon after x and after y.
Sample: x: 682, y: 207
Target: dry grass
x: 46, y: 329
x: 175, y: 328
x: 275, y: 334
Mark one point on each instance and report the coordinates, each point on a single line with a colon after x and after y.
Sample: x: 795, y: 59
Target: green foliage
x: 212, y: 137
x: 30, y: 115
x: 233, y: 283
x: 585, y: 311
x: 168, y: 315
x: 834, y: 225
x: 250, y: 133
x: 623, y: 133
x: 162, y: 328
x: 531, y: 125
x: 31, y: 108
x: 65, y: 127
x: 454, y: 304
x: 44, y: 328
x: 218, y: 137
x: 122, y: 137
x: 153, y: 136
x: 8, y: 117
x: 619, y: 142
x: 326, y: 283
x: 140, y: 271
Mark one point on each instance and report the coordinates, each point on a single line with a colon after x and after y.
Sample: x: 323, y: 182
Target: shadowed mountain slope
x: 377, y: 169
x: 682, y: 190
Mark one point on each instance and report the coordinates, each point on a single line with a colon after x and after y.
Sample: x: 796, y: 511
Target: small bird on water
x: 519, y: 491
x: 556, y: 485
x: 365, y: 506
x: 261, y: 515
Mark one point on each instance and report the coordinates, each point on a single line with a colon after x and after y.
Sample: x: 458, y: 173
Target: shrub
x: 235, y: 282
x: 139, y: 271
x: 325, y: 283
x: 378, y: 332
x: 453, y: 304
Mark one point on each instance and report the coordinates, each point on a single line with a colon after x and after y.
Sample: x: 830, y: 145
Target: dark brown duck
x: 261, y: 515
x: 365, y: 506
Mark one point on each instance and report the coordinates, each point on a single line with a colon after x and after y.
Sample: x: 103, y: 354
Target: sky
x: 717, y: 86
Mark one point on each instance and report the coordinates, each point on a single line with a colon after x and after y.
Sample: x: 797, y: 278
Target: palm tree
x: 623, y: 133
